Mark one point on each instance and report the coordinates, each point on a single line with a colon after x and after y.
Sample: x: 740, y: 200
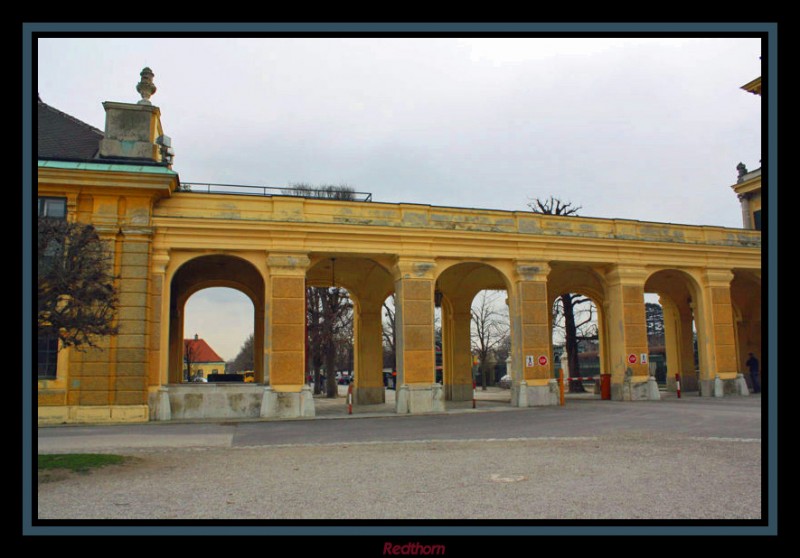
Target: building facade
x: 171, y: 240
x: 748, y: 183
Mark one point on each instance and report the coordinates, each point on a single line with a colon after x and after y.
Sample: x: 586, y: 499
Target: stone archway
x: 746, y: 301
x: 369, y: 283
x: 580, y: 279
x: 456, y: 287
x: 679, y: 294
x: 209, y: 271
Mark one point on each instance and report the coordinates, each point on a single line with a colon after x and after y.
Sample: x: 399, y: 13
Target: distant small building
x: 200, y: 359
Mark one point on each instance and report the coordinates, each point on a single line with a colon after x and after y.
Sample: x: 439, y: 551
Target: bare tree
x: 654, y: 317
x: 389, y: 347
x: 489, y: 328
x: 553, y: 206
x: 575, y: 316
x: 568, y: 301
x: 329, y: 316
x: 77, y: 298
x: 244, y: 360
x: 190, y: 353
x: 325, y: 191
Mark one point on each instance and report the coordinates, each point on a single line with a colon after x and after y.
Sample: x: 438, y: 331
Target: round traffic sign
x: 632, y: 359
x: 543, y: 360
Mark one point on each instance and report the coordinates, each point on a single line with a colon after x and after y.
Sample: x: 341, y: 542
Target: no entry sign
x: 543, y: 360
x: 632, y: 359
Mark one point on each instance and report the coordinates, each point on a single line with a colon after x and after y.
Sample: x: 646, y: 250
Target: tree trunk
x: 317, y: 378
x: 575, y: 386
x: 330, y: 370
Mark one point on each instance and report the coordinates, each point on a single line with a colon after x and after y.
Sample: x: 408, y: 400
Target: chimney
x: 133, y: 131
x: 195, y: 337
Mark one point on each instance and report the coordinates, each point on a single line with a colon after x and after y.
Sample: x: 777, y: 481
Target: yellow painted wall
x: 406, y: 247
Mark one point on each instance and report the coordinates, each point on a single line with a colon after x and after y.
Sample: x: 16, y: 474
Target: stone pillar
x: 744, y: 199
x: 286, y: 332
x: 368, y: 388
x: 457, y: 359
x: 533, y: 383
x: 417, y: 390
x: 132, y: 132
x: 627, y: 333
x: 92, y: 372
x: 678, y: 344
x: 158, y: 361
x: 717, y: 344
x: 131, y: 378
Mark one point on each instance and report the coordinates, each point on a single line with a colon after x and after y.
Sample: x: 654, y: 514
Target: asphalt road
x: 691, y: 458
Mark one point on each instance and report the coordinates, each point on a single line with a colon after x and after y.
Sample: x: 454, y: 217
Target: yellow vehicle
x: 249, y: 377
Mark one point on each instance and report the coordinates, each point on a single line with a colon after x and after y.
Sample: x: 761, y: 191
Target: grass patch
x: 78, y: 462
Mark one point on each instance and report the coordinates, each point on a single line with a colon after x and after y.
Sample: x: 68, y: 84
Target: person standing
x: 752, y: 365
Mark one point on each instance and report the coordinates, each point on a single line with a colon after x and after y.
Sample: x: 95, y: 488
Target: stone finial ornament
x: 741, y: 169
x: 146, y: 87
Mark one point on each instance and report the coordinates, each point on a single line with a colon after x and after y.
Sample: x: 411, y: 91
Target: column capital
x: 718, y: 277
x: 530, y: 270
x: 414, y: 268
x: 288, y: 263
x: 140, y: 233
x: 160, y: 261
x: 626, y: 275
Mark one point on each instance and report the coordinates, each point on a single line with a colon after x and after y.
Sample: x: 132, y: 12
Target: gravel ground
x: 632, y: 475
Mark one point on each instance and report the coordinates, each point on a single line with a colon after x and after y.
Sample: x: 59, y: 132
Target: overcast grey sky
x: 646, y: 128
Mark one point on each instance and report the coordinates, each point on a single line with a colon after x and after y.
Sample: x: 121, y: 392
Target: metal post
x: 473, y: 393
x: 350, y: 398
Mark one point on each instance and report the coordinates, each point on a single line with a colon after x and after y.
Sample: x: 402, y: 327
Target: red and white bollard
x: 350, y: 398
x: 473, y: 393
x: 678, y: 385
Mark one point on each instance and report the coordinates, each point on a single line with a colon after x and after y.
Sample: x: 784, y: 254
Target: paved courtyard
x: 693, y: 458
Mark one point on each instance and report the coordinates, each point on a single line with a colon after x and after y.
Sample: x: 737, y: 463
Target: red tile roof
x: 200, y: 351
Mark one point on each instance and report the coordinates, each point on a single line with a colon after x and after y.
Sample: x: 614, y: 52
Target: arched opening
x: 677, y: 296
x: 656, y: 344
x: 206, y: 272
x: 577, y: 295
x: 218, y: 323
x: 345, y: 301
x: 576, y: 340
x: 389, y: 336
x: 475, y: 329
x: 490, y: 333
x: 746, y: 300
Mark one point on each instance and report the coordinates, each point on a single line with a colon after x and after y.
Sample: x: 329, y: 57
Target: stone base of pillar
x: 369, y: 395
x: 635, y: 391
x: 158, y: 402
x: 524, y: 395
x: 417, y: 399
x: 458, y: 392
x: 719, y: 387
x: 653, y: 394
x: 281, y: 404
x: 706, y: 388
x: 724, y: 388
x: 741, y: 385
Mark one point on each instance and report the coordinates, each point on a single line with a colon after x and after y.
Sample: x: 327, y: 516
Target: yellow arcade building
x: 171, y: 240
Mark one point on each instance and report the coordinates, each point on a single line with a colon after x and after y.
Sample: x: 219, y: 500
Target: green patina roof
x: 108, y: 167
